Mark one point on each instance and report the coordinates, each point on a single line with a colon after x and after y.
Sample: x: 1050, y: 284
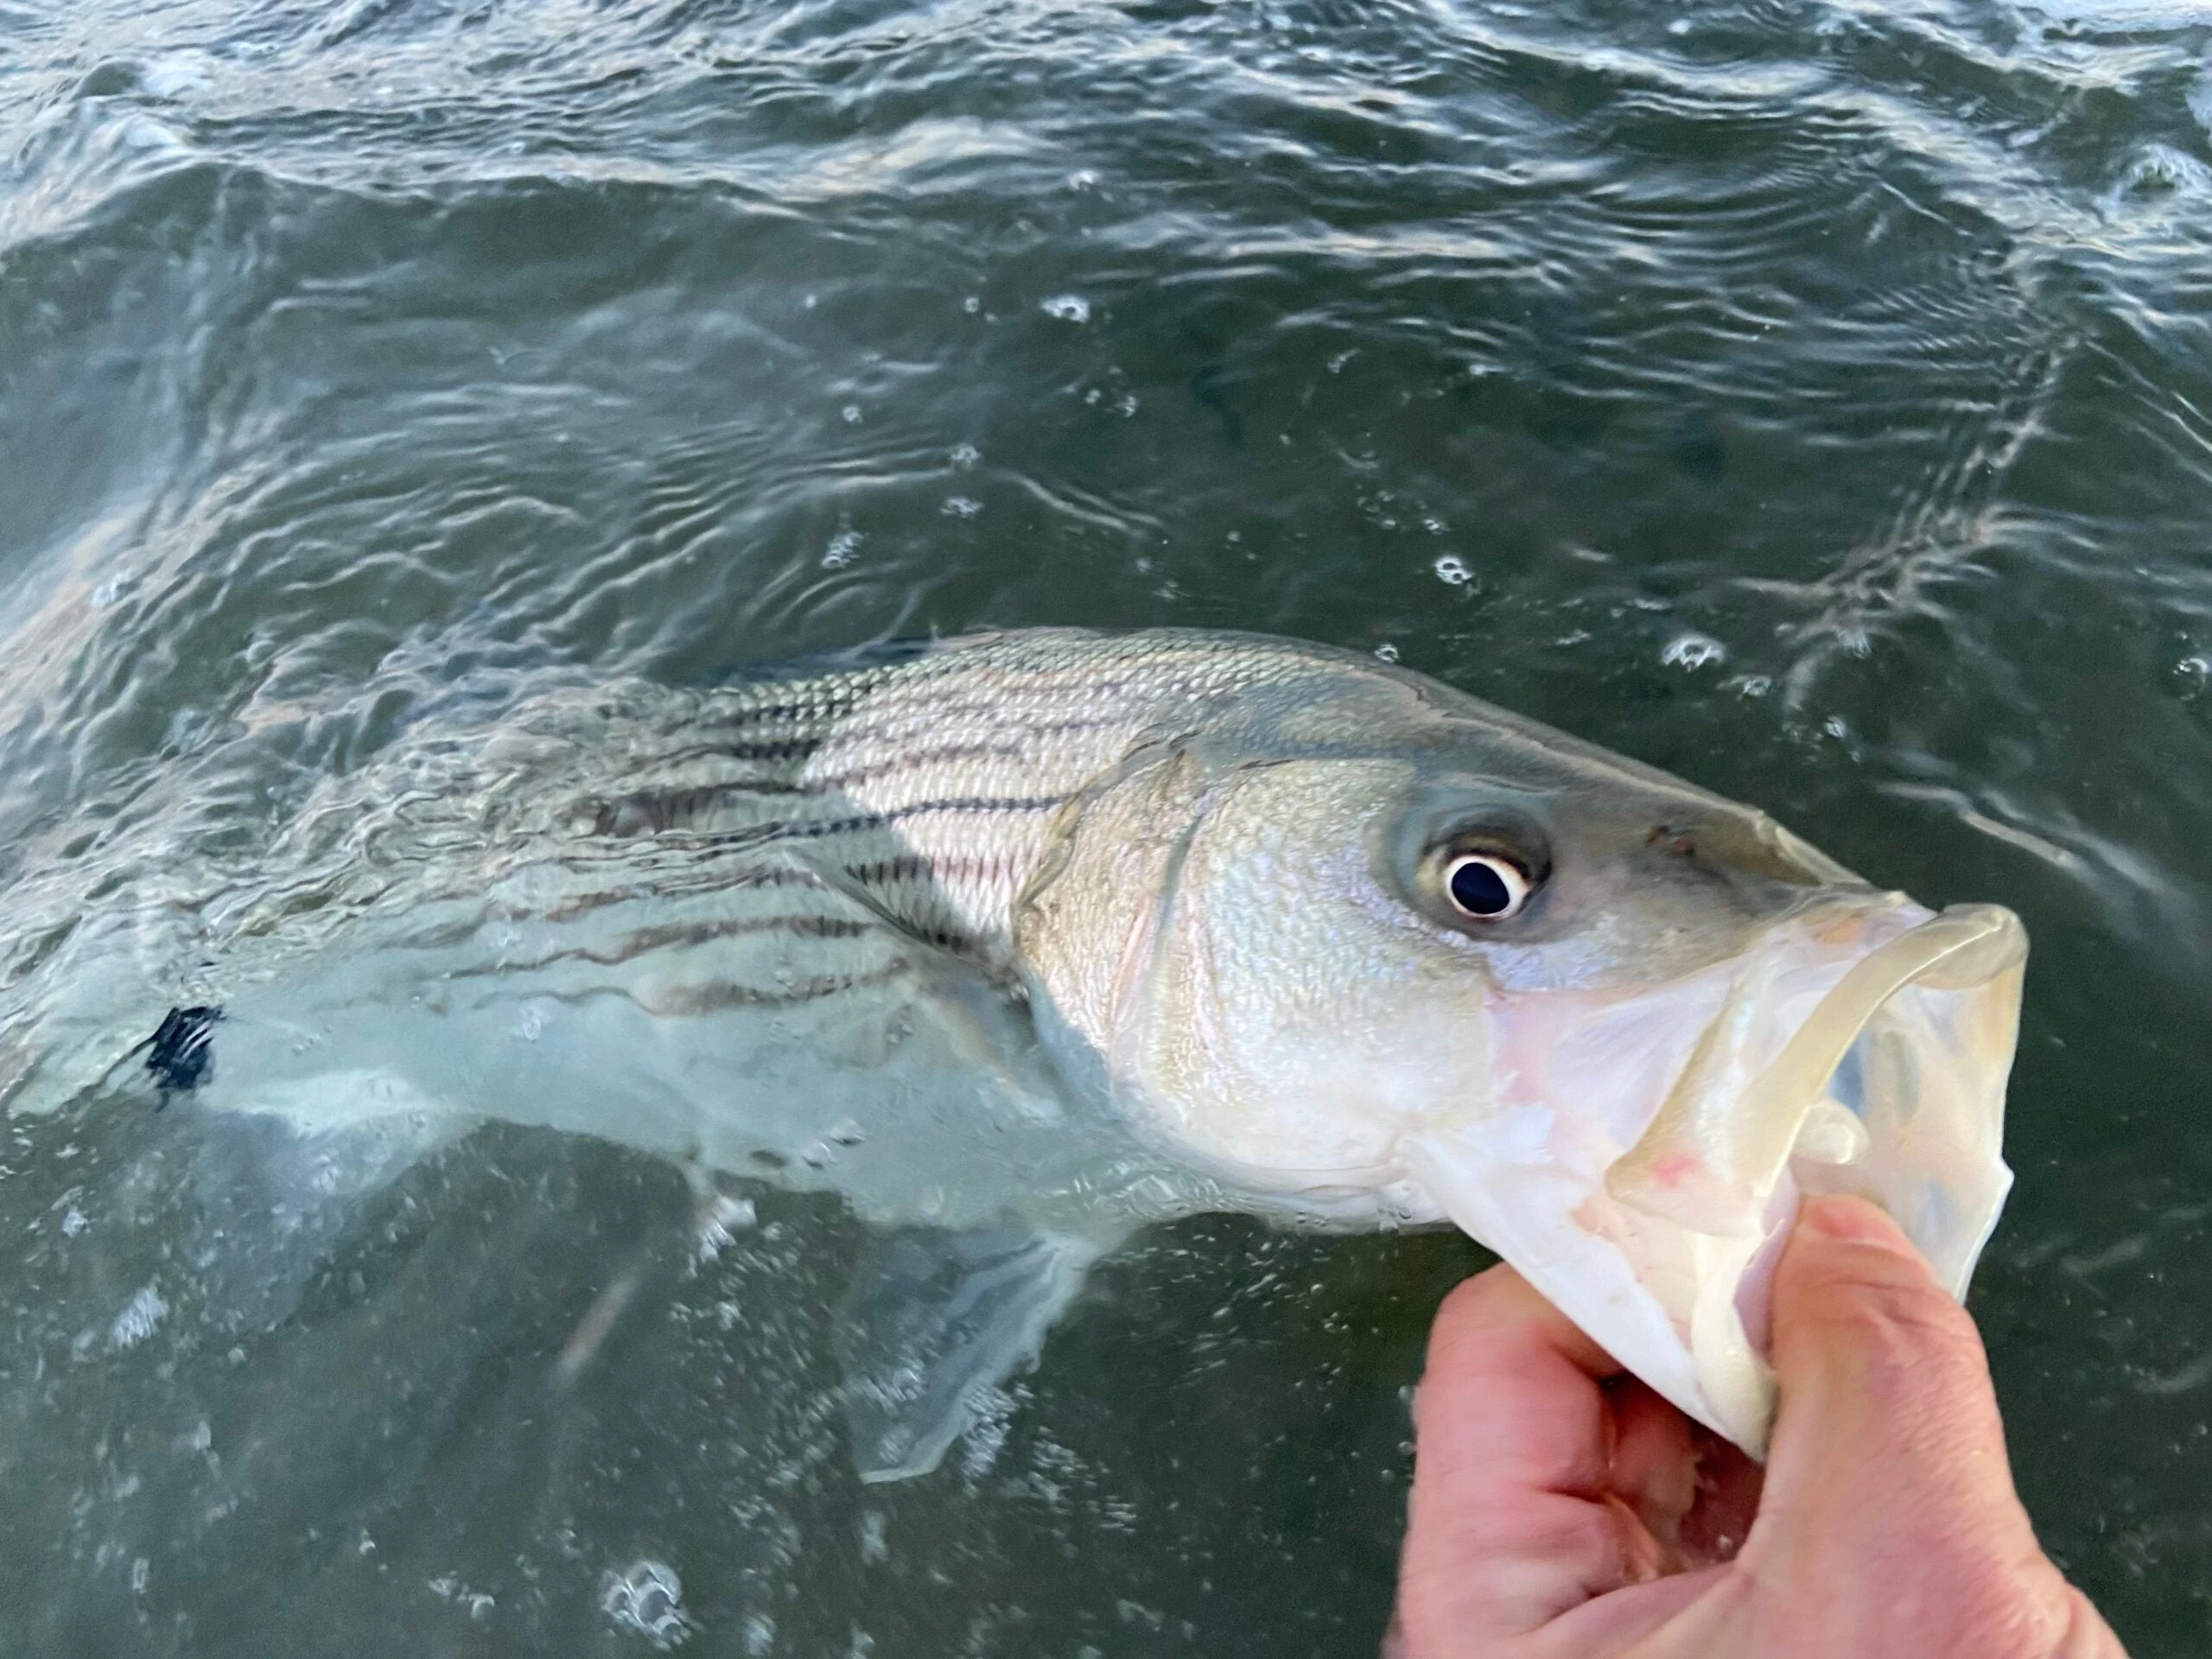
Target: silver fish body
x: 1022, y: 941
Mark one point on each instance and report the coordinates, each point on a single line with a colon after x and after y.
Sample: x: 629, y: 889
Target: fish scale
x: 1013, y: 726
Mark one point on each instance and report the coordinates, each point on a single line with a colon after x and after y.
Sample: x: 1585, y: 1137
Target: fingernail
x: 1855, y: 1222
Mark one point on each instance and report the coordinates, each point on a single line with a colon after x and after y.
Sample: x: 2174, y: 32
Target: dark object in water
x: 180, y: 1053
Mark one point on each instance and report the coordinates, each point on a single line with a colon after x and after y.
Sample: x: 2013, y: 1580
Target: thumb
x: 1888, y: 1483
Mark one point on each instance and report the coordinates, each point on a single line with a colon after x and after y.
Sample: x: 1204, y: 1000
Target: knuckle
x: 1911, y: 1328
x: 1475, y: 1311
x: 1919, y: 1363
x: 1468, y: 1302
x: 1899, y: 1320
x: 1588, y: 1535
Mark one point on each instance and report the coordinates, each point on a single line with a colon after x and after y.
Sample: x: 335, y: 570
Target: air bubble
x: 725, y: 1217
x: 136, y: 1323
x: 647, y: 1598
x: 1693, y: 651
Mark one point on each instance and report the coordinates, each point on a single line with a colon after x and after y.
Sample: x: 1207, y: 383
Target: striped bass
x: 1023, y: 941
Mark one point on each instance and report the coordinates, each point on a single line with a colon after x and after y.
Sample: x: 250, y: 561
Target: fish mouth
x: 1864, y: 1048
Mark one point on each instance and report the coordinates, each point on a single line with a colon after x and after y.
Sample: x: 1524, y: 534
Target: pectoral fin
x: 931, y: 1318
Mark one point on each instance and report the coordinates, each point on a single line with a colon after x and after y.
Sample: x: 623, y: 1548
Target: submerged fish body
x: 1026, y: 940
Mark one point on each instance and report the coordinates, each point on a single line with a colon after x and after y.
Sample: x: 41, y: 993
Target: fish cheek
x: 1086, y: 929
x: 1297, y: 1015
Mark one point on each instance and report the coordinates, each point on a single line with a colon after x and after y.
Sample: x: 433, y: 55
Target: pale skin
x: 1561, y: 1509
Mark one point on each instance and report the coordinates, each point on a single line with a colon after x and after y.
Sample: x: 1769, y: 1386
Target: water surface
x: 1812, y: 398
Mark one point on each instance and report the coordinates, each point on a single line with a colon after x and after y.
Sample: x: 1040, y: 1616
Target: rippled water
x: 1812, y: 398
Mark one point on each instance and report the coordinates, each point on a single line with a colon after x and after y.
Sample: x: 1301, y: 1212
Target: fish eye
x: 1486, y: 886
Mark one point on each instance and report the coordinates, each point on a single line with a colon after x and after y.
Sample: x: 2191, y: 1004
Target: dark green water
x: 1815, y: 399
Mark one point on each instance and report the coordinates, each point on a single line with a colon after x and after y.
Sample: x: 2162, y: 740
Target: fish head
x: 1373, y: 951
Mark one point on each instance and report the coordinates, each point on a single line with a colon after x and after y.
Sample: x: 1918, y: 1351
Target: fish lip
x: 1923, y: 1143
x: 1713, y: 1177
x: 1656, y: 1232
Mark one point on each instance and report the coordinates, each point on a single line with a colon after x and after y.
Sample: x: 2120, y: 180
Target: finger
x: 1694, y: 1491
x: 1514, y: 1388
x: 1511, y: 1522
x: 1655, y: 1460
x: 1729, y: 1485
x: 1882, y: 1372
x: 1888, y: 1451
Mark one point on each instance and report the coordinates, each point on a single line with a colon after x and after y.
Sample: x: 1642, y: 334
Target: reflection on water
x: 1811, y: 399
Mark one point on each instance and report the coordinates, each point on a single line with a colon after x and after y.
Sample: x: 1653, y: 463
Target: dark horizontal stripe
x: 647, y: 811
x: 745, y: 718
x: 801, y: 709
x: 902, y: 871
x: 716, y: 998
x: 917, y: 687
x: 877, y: 727
x: 780, y: 752
x: 794, y: 748
x: 1087, y: 669
x: 991, y: 713
x: 762, y: 834
x: 646, y: 940
x: 975, y: 803
x: 875, y: 876
x: 1001, y: 749
x: 772, y: 875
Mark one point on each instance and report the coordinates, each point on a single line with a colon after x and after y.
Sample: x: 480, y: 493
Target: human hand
x: 1561, y: 1509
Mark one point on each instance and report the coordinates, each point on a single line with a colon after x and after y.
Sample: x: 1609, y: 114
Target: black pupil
x: 1479, y: 888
